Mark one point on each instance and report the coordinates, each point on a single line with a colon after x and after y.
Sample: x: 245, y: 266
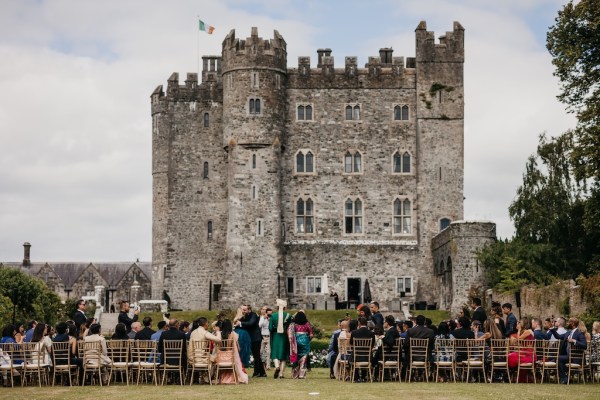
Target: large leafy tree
x: 574, y: 43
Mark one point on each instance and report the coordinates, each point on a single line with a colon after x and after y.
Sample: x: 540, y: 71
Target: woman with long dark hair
x: 229, y: 339
x: 300, y: 333
x: 43, y: 343
x: 120, y: 332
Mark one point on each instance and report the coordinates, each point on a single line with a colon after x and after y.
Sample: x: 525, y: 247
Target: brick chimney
x: 26, y: 252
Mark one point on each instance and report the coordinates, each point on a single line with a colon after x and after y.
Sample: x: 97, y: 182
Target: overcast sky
x: 76, y: 76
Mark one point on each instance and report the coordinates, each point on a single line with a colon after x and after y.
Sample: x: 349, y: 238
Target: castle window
x: 352, y: 112
x: 404, y: 286
x: 290, y: 284
x: 254, y: 192
x: 304, y: 162
x: 230, y: 81
x: 206, y: 117
x: 209, y: 229
x: 440, y: 270
x: 314, y: 285
x: 260, y: 229
x: 255, y: 80
x: 402, y: 216
x: 401, y: 113
x: 254, y: 106
x: 401, y: 162
x: 352, y: 163
x: 277, y: 81
x: 353, y: 222
x: 205, y: 171
x: 304, y: 216
x: 304, y: 113
x: 444, y: 223
x: 253, y: 161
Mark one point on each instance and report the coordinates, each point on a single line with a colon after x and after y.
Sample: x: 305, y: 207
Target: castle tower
x: 440, y: 132
x: 254, y: 73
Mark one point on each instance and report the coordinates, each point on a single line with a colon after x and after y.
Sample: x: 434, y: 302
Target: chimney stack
x: 26, y: 252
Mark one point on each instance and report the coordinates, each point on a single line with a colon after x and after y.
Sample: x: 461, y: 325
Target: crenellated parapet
x: 378, y: 72
x: 451, y: 47
x: 254, y: 52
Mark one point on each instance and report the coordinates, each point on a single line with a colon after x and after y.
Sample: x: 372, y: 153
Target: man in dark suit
x: 463, y: 332
x: 574, y: 339
x: 538, y: 334
x: 362, y: 332
x: 478, y: 311
x: 124, y: 315
x: 147, y: 332
x: 173, y: 334
x: 376, y: 316
x: 419, y: 331
x: 79, y: 317
x: 249, y: 323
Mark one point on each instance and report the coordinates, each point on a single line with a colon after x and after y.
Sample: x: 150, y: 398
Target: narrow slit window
x: 205, y: 170
x: 209, y: 229
x: 308, y: 114
x: 349, y: 113
x: 206, y: 120
x: 253, y: 161
x: 406, y: 162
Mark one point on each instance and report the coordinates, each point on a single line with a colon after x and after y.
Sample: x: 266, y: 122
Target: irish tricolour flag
x: 205, y: 27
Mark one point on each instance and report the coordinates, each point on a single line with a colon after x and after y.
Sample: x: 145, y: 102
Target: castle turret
x: 440, y: 131
x: 254, y: 75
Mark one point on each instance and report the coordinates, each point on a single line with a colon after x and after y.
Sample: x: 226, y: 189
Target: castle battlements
x: 254, y: 52
x: 451, y: 47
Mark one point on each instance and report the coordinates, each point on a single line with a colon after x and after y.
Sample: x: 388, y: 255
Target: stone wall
x: 547, y: 301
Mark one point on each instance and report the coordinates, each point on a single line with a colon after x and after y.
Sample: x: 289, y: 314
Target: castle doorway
x: 353, y: 286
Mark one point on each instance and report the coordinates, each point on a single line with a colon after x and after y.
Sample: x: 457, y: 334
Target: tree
x: 32, y: 298
x: 574, y: 43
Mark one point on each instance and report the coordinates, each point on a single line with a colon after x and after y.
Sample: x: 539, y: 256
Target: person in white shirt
x: 265, y: 344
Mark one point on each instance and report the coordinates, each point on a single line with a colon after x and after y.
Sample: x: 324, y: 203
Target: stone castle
x: 271, y: 181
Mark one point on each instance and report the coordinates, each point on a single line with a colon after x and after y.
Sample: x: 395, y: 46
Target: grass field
x: 317, y: 385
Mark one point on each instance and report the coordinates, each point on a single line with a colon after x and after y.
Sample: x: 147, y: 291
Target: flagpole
x: 198, y: 46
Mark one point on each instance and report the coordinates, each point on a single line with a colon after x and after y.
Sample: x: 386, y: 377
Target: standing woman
x: 280, y: 345
x: 300, y: 333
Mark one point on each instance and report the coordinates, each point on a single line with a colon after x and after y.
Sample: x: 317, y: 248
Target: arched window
x: 444, y: 223
x: 253, y: 161
x: 401, y: 162
x: 405, y: 113
x: 300, y: 162
x: 406, y: 162
x: 206, y: 120
x: 397, y: 163
x: 402, y: 216
x: 441, y: 268
x: 308, y: 113
x: 357, y: 112
x: 397, y: 113
x: 449, y: 264
x: 348, y: 113
x: 353, y: 222
x: 300, y: 113
x: 304, y: 216
x: 254, y: 106
x: 309, y: 162
x: 205, y: 171
x: 352, y: 163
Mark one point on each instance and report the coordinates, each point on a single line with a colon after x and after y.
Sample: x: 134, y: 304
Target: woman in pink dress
x: 230, y: 339
x: 524, y: 355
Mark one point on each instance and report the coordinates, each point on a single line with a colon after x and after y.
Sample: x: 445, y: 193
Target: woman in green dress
x: 280, y: 345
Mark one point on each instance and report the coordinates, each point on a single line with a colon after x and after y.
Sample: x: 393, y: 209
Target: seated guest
x: 476, y: 328
x: 464, y: 312
x: 43, y: 344
x: 536, y: 326
x: 574, y: 339
x: 419, y: 331
x: 376, y: 316
x: 362, y: 333
x: 29, y: 334
x: 430, y: 325
x: 443, y: 331
x: 526, y: 355
x: 491, y: 330
x: 406, y: 325
x: 559, y: 327
x: 463, y: 331
x: 496, y: 315
x: 202, y: 334
x: 162, y: 326
x: 135, y: 328
x: 94, y: 336
x: 147, y: 332
x: 595, y: 342
x: 62, y: 335
x: 174, y: 333
x: 343, y: 334
x: 120, y: 332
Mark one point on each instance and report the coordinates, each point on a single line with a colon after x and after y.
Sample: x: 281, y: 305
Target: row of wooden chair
x: 466, y: 359
x: 130, y: 360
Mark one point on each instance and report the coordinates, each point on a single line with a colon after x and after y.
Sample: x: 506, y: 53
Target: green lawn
x: 317, y: 385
